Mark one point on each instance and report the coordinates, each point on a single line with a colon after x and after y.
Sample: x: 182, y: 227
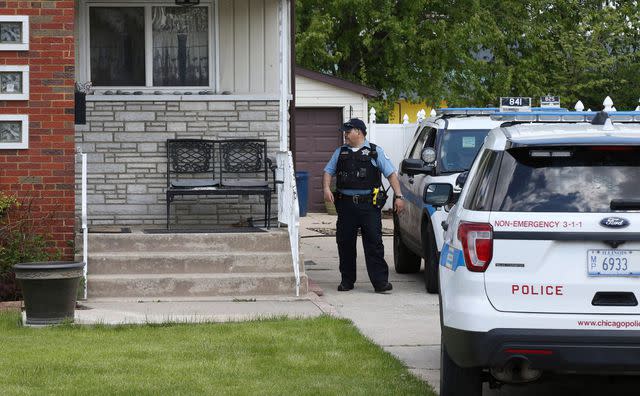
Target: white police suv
x: 540, y: 267
x: 442, y: 148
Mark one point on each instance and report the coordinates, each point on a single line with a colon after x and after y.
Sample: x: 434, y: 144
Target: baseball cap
x: 354, y: 123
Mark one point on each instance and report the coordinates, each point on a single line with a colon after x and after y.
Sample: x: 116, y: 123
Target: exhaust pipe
x: 517, y: 370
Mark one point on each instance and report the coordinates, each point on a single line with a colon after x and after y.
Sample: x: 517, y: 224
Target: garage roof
x: 335, y: 81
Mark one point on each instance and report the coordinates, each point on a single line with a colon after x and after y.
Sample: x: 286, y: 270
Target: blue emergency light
x: 454, y: 111
x: 564, y: 116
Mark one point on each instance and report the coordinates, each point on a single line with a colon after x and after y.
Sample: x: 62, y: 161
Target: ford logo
x: 614, y: 222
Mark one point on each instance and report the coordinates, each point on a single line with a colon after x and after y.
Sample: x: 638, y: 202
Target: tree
x: 470, y: 52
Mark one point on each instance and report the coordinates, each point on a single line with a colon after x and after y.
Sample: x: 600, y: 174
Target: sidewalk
x: 404, y: 322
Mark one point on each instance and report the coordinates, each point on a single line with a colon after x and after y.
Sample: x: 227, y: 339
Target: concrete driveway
x: 406, y: 322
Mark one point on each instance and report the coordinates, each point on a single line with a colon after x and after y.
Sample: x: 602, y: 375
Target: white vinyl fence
x: 394, y: 139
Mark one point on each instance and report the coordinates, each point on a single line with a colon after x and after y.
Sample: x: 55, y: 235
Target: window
x: 139, y: 44
x: 459, y: 148
x: 481, y: 187
x: 582, y: 179
x: 425, y: 134
x: 117, y: 46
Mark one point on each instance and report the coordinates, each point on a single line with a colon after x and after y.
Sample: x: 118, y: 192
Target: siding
x: 249, y: 46
x: 311, y: 93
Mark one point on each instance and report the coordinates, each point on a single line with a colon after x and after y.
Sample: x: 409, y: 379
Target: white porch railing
x: 288, y: 210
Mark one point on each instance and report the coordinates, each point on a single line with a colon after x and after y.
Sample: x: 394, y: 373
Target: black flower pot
x: 49, y: 290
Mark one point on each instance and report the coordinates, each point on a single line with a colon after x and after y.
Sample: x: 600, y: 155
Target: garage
x: 317, y: 136
x: 323, y: 103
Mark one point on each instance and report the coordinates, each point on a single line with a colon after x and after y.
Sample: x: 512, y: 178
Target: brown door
x: 317, y: 137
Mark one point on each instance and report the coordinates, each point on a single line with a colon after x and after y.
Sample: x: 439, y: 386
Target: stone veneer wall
x: 125, y: 143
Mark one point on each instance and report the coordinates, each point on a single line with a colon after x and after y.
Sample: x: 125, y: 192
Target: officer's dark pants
x: 365, y: 216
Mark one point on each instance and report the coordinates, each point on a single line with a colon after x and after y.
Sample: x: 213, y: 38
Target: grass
x: 320, y: 356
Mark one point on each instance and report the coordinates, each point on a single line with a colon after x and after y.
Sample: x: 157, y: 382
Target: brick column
x: 45, y: 171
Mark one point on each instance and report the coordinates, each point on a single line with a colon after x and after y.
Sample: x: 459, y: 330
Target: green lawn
x: 321, y: 356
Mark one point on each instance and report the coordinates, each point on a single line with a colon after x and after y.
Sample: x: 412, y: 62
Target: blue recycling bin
x: 302, y: 183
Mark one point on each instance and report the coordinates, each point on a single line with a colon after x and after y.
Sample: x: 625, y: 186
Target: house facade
x: 162, y: 71
x: 213, y: 69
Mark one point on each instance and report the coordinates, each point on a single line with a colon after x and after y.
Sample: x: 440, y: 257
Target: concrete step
x: 193, y: 285
x: 276, y: 240
x: 185, y: 263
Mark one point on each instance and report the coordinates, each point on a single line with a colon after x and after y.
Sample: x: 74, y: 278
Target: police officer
x: 359, y: 165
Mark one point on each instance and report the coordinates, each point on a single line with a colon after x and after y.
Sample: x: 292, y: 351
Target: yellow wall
x: 403, y: 107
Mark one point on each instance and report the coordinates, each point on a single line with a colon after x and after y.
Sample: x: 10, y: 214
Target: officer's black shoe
x: 344, y: 287
x: 384, y: 288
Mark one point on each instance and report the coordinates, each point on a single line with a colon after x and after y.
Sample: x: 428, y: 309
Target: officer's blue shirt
x: 382, y: 162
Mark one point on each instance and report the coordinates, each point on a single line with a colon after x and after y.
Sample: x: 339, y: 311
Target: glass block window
x: 10, y: 32
x: 10, y: 82
x: 10, y: 132
x: 180, y: 46
x: 117, y: 46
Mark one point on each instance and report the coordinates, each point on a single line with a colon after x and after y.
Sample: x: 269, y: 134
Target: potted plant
x: 50, y: 290
x: 23, y: 251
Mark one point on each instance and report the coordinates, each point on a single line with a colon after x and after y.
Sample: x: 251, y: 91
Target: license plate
x: 613, y: 262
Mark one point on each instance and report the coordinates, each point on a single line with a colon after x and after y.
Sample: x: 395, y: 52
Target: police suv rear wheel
x: 456, y: 380
x: 404, y: 260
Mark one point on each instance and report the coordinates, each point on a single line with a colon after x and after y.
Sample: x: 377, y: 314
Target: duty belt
x: 356, y: 198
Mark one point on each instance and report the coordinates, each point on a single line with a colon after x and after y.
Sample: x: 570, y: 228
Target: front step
x: 191, y: 265
x: 194, y: 285
x: 184, y: 263
x: 272, y: 241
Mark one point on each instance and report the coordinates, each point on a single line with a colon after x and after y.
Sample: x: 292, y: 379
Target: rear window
x: 459, y: 148
x: 567, y: 179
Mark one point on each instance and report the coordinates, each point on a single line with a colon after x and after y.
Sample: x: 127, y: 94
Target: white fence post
x: 608, y: 104
x: 433, y: 113
x: 579, y: 106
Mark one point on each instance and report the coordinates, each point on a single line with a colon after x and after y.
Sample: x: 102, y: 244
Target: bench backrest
x: 190, y: 156
x: 243, y: 156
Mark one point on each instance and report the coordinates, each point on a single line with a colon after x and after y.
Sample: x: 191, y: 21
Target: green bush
x: 20, y: 242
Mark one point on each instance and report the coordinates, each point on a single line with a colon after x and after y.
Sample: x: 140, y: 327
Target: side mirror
x: 415, y: 166
x: 428, y: 155
x: 462, y: 179
x: 438, y: 194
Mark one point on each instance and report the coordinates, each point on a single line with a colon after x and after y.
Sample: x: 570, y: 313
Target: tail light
x: 477, y: 245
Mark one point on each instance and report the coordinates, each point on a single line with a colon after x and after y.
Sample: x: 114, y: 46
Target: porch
x: 216, y: 70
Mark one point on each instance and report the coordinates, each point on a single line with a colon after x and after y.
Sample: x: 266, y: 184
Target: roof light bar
x: 453, y: 111
x: 564, y: 116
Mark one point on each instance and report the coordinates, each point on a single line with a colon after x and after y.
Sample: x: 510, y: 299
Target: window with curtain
x: 179, y: 46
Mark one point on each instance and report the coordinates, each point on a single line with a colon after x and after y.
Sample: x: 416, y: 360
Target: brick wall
x: 45, y: 171
x: 126, y: 153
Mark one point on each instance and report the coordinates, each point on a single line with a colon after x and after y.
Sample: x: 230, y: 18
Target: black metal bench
x: 242, y: 167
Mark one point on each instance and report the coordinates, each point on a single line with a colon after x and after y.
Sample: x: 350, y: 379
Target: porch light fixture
x: 187, y: 2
